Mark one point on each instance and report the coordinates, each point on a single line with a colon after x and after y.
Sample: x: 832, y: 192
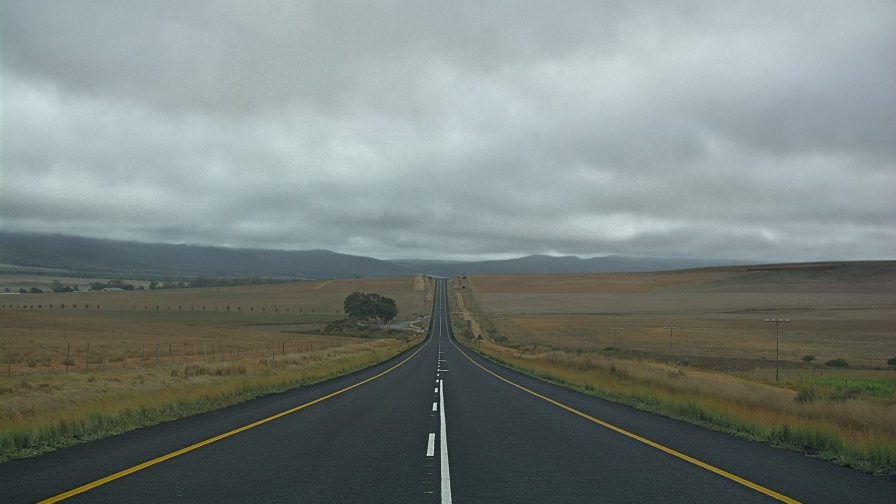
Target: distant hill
x: 75, y: 253
x: 95, y: 255
x: 542, y: 264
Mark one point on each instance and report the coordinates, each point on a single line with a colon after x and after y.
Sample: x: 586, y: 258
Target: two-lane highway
x: 436, y: 424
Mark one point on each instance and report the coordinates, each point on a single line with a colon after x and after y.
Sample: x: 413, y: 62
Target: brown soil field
x: 837, y: 310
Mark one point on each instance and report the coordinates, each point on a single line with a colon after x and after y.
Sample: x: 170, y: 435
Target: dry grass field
x: 38, y: 334
x: 113, y: 361
x: 718, y: 368
x: 836, y: 310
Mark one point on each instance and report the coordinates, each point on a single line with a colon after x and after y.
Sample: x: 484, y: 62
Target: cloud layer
x: 757, y: 131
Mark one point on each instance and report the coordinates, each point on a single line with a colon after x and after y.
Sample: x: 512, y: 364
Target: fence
x: 33, y: 358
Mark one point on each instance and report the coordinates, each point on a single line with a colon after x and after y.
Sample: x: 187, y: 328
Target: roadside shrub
x: 808, y: 358
x: 892, y: 361
x: 806, y: 395
x: 839, y: 362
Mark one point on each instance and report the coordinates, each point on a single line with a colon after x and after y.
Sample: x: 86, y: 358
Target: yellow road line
x: 144, y: 465
x: 670, y: 451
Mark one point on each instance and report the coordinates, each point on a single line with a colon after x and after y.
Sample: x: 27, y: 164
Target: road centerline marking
x: 670, y: 451
x: 431, y: 445
x: 149, y: 463
x: 443, y: 451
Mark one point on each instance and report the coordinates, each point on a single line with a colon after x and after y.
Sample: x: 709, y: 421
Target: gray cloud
x: 760, y: 131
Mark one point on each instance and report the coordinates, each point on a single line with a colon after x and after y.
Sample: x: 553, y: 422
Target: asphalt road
x: 441, y: 426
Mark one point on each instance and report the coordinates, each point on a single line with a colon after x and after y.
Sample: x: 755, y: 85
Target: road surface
x: 435, y: 424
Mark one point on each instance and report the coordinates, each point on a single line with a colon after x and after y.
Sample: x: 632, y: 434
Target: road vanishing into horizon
x: 437, y: 423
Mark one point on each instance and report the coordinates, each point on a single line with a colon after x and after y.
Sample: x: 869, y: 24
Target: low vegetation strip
x: 31, y: 424
x: 850, y: 432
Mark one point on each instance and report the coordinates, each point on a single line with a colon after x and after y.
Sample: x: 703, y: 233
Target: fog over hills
x: 120, y: 257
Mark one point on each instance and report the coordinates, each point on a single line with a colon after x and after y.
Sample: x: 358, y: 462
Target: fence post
x: 9, y: 361
x: 204, y: 353
x: 142, y: 353
x: 88, y: 356
x: 157, y: 354
x: 68, y: 350
x: 104, y: 356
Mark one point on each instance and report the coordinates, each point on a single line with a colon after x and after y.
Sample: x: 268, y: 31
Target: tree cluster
x: 360, y: 306
x: 204, y: 281
x: 111, y: 284
x: 57, y: 286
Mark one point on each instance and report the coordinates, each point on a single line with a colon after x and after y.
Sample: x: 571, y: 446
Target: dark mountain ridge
x: 77, y: 253
x: 90, y: 254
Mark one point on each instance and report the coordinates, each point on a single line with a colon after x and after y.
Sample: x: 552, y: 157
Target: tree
x: 808, y: 358
x: 386, y: 310
x: 361, y: 306
x: 839, y: 362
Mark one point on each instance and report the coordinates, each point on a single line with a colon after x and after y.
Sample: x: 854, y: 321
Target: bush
x: 808, y: 358
x: 806, y: 395
x: 892, y: 361
x: 839, y: 362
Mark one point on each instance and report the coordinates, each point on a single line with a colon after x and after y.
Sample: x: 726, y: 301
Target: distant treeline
x: 204, y: 281
x: 111, y: 284
x: 166, y: 283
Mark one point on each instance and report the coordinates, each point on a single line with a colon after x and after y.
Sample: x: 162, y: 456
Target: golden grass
x: 43, y: 412
x: 150, y: 364
x: 861, y: 342
x: 597, y: 282
x: 855, y: 432
x: 196, y: 306
x: 837, y: 310
x: 35, y: 342
x: 557, y: 327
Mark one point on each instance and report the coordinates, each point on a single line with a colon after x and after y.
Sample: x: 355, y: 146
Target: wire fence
x: 33, y: 358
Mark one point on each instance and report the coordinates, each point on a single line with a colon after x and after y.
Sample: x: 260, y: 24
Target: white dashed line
x: 435, y: 406
x: 431, y: 446
x: 443, y: 451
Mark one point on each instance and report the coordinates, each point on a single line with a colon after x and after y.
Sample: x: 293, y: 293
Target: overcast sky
x: 456, y: 130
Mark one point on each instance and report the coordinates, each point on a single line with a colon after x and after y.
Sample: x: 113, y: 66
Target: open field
x: 113, y: 361
x: 323, y: 297
x: 718, y: 369
x: 822, y: 419
x: 170, y: 325
x: 836, y: 311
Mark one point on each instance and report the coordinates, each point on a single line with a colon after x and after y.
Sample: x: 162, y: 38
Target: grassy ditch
x: 40, y: 413
x: 850, y: 431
